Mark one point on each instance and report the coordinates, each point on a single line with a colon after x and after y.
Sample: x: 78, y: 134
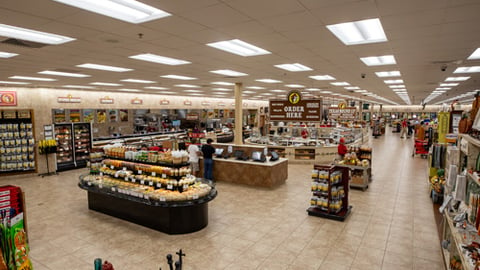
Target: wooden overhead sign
x: 342, y: 113
x: 296, y: 109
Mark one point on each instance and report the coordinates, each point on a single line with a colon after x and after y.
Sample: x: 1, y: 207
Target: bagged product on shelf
x: 19, y: 244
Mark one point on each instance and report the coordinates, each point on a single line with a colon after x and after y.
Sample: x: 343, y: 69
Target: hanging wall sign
x: 136, y: 101
x: 205, y: 103
x: 221, y: 104
x: 8, y: 98
x: 106, y: 100
x: 69, y: 99
x: 295, y: 109
x: 192, y: 116
x: 164, y: 102
x: 187, y: 103
x: 345, y: 113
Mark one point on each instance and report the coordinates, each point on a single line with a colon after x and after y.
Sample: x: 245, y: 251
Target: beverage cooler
x: 74, y: 141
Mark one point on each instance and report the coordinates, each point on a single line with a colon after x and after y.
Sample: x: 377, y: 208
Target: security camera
x: 363, y: 75
x: 443, y: 68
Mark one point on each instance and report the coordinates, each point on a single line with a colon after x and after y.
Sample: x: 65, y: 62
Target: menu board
x: 59, y: 116
x: 101, y: 116
x: 24, y: 114
x: 123, y: 115
x: 113, y: 116
x: 88, y: 115
x: 74, y: 115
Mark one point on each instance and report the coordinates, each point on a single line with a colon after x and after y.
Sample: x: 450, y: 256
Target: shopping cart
x: 420, y: 148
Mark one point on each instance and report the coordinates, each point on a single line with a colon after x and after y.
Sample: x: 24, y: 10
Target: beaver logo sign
x: 296, y: 109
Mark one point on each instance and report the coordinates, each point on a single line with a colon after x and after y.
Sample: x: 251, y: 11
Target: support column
x: 360, y: 110
x: 238, y: 139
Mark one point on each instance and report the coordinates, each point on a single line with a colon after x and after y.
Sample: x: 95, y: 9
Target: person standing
x: 193, y: 154
x: 404, y: 128
x: 342, y: 148
x: 207, y: 152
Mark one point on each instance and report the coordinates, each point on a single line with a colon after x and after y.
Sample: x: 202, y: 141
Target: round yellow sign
x: 294, y: 97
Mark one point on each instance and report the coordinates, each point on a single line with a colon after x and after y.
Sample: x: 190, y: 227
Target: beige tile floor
x: 391, y: 226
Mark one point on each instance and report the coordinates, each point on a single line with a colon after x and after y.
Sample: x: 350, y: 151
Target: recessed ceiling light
x: 7, y: 82
x: 106, y: 84
x: 278, y: 91
x: 78, y: 86
x: 32, y: 35
x: 313, y: 89
x: 360, y: 91
x: 167, y: 92
x: 322, y: 78
x: 187, y: 85
x: 352, y: 87
x: 238, y: 47
x: 475, y: 55
x: 393, y: 81
x: 359, y: 32
x: 156, y: 88
x: 159, y: 59
x: 473, y: 69
x: 394, y: 73
x: 449, y: 84
x: 255, y: 87
x: 294, y: 85
x: 399, y: 90
x: 221, y: 89
x: 104, y: 67
x: 268, y: 81
x: 178, y: 77
x: 65, y: 74
x: 266, y: 94
x: 228, y: 72
x: 439, y: 91
x: 397, y: 86
x: 340, y: 83
x: 335, y: 94
x: 456, y: 79
x: 220, y: 93
x: 325, y: 92
x: 293, y: 67
x: 192, y: 91
x: 7, y: 54
x: 129, y: 90
x: 443, y: 88
x: 137, y: 81
x: 248, y: 92
x: 32, y: 78
x: 379, y: 60
x: 195, y: 94
x: 126, y: 10
x: 223, y: 83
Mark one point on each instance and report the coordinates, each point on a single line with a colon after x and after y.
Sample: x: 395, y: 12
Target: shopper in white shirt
x: 194, y: 152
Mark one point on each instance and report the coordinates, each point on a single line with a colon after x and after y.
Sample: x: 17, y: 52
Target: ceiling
x: 424, y: 36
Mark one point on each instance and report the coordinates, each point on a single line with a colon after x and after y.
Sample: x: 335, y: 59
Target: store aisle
x: 391, y: 227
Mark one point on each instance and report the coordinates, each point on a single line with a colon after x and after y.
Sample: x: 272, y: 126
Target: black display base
x: 171, y: 220
x: 341, y: 216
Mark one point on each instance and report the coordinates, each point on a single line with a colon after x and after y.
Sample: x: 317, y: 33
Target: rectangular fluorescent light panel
x: 475, y: 55
x: 129, y: 90
x: 159, y: 59
x: 223, y: 83
x: 394, y: 73
x: 360, y: 91
x: 137, y: 81
x: 443, y: 88
x: 7, y: 54
x: 359, y: 32
x: 104, y: 67
x: 32, y: 78
x: 397, y: 86
x: 8, y: 82
x: 456, y: 79
x: 323, y: 78
x: 156, y: 88
x: 255, y: 87
x: 178, y: 77
x: 352, y: 87
x: 105, y: 84
x: 293, y: 67
x: 294, y: 85
x: 278, y: 91
x: 379, y: 60
x: 473, y: 69
x: 65, y: 74
x: 228, y: 72
x: 78, y: 86
x: 238, y: 47
x: 325, y: 92
x: 32, y: 35
x: 125, y: 10
x: 448, y: 84
x: 393, y: 81
x: 187, y: 85
x: 313, y: 89
x: 193, y: 91
x: 340, y: 83
x: 268, y: 81
x: 221, y: 89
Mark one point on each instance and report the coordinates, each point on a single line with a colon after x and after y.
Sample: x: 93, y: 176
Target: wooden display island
x: 260, y: 174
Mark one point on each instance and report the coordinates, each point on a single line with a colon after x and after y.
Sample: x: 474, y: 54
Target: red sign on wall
x: 8, y: 98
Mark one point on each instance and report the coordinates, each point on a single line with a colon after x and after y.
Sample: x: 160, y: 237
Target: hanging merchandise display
x: 443, y: 126
x: 438, y: 156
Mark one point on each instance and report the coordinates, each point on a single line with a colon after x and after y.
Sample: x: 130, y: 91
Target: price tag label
x: 159, y: 185
x: 100, y: 186
x: 126, y: 178
x: 195, y: 196
x: 169, y: 186
x: 89, y: 183
x: 185, y: 187
x: 164, y: 175
x: 101, y: 173
x: 139, y: 171
x: 150, y: 183
x: 162, y: 199
x: 134, y: 180
x: 154, y: 174
x: 142, y: 182
x: 104, y: 166
x: 112, y: 167
x: 113, y: 189
x: 116, y: 175
x: 124, y: 168
x: 145, y: 196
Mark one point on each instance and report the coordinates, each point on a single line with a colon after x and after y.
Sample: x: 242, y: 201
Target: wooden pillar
x: 238, y: 139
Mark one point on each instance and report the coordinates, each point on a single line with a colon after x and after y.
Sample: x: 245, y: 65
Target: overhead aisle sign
x: 296, y: 109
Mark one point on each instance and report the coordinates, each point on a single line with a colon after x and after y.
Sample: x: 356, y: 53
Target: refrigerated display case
x: 74, y: 141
